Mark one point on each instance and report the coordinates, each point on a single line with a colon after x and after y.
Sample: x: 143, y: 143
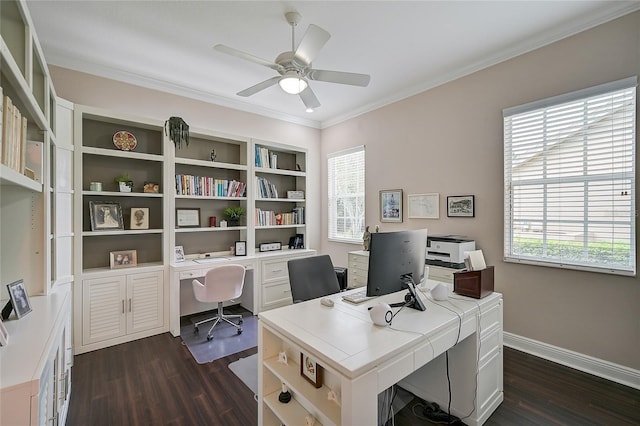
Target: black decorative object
x: 285, y: 395
x: 178, y: 131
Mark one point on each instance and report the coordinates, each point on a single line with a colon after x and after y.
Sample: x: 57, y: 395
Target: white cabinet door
x: 145, y: 301
x: 103, y: 301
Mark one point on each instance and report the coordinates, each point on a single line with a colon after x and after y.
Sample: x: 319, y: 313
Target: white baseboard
x: 598, y: 367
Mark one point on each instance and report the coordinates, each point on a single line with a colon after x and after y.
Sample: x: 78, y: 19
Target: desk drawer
x: 185, y: 275
x: 274, y: 270
x: 276, y: 294
x: 358, y: 262
x: 357, y: 280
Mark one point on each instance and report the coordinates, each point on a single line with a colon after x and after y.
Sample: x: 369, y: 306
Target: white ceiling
x: 406, y: 46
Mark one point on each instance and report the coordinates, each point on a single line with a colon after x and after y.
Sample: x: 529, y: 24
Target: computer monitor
x: 396, y: 262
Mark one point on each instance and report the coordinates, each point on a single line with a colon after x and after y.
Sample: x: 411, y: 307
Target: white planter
x: 124, y: 187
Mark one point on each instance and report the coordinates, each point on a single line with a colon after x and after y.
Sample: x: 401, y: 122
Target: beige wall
x: 449, y: 140
x: 85, y: 89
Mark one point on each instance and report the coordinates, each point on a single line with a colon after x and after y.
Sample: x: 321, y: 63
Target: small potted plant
x: 125, y: 182
x: 234, y: 213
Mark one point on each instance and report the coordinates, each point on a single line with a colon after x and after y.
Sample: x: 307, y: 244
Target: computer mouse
x: 327, y: 302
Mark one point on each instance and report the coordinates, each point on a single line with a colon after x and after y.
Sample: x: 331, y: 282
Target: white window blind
x: 569, y: 176
x: 345, y: 171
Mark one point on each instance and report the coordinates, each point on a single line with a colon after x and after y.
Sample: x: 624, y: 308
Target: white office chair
x: 221, y: 284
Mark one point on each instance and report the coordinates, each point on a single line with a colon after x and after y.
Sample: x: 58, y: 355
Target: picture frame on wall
x: 123, y: 259
x: 19, y: 298
x: 391, y: 205
x: 461, y: 206
x: 105, y: 216
x: 139, y: 218
x: 310, y: 370
x: 423, y: 206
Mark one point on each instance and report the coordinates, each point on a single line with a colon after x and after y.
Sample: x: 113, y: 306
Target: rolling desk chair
x: 220, y: 285
x: 312, y: 277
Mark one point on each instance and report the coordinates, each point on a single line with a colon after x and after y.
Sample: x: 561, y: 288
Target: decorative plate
x: 124, y: 140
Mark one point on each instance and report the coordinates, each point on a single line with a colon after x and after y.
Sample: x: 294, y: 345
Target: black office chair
x: 312, y: 277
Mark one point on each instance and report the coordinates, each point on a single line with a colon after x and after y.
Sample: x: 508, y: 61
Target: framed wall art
x: 310, y: 370
x: 139, y: 218
x: 123, y: 259
x: 461, y: 206
x: 423, y: 206
x: 188, y: 217
x: 105, y: 216
x: 391, y: 205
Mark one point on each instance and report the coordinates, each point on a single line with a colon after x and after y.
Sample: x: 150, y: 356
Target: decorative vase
x: 125, y: 186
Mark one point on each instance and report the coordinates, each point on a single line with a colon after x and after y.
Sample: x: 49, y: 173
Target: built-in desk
x: 360, y: 359
x: 266, y: 282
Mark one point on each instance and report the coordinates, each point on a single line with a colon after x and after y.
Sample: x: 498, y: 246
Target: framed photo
x: 4, y: 334
x: 150, y: 187
x: 241, y: 248
x: 19, y: 298
x: 310, y: 370
x: 105, y: 215
x: 423, y: 206
x: 123, y: 259
x: 461, y: 206
x: 179, y: 254
x: 391, y: 205
x: 188, y: 217
x: 139, y: 218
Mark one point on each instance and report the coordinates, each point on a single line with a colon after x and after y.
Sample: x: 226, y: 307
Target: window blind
x: 569, y: 180
x: 345, y: 170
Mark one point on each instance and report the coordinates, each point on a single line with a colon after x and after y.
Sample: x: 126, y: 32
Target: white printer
x: 448, y: 250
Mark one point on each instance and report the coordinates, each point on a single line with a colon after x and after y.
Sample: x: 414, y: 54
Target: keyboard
x: 357, y: 296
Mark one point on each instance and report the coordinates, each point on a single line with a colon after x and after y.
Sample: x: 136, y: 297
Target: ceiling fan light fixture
x: 292, y: 83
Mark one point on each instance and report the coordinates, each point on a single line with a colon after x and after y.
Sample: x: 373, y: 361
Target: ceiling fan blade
x: 248, y: 57
x: 309, y: 98
x: 339, y: 77
x: 258, y: 87
x: 310, y: 45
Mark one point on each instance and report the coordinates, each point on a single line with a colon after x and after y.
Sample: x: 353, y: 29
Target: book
x: 476, y: 261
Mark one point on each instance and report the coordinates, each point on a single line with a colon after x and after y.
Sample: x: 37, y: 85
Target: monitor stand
x: 411, y: 299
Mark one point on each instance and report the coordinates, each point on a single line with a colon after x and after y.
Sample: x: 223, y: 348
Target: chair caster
x: 196, y: 330
x: 240, y: 321
x: 239, y: 331
x: 209, y: 338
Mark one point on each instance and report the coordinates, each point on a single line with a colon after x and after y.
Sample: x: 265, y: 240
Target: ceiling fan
x: 294, y: 66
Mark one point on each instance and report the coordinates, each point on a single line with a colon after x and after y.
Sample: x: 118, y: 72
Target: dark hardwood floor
x: 155, y: 381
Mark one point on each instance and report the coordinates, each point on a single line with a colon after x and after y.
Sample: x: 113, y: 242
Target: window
x: 345, y: 171
x: 569, y: 176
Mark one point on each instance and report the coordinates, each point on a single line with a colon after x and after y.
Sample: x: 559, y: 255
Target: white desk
x: 266, y: 283
x: 360, y: 360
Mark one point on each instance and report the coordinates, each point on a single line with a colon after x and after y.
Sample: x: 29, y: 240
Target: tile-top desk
x: 360, y: 359
x: 266, y: 282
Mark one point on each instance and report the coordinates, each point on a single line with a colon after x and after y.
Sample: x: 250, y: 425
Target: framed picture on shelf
x: 4, y: 334
x: 139, y: 218
x: 391, y: 205
x: 123, y: 259
x: 188, y: 217
x: 105, y: 216
x: 19, y: 298
x: 179, y: 254
x: 310, y: 370
x: 241, y: 248
x: 461, y: 206
x: 423, y: 206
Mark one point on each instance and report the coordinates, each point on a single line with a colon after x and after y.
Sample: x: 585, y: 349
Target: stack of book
x: 207, y: 186
x: 264, y: 158
x: 265, y: 189
x: 271, y: 218
x: 13, y: 135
